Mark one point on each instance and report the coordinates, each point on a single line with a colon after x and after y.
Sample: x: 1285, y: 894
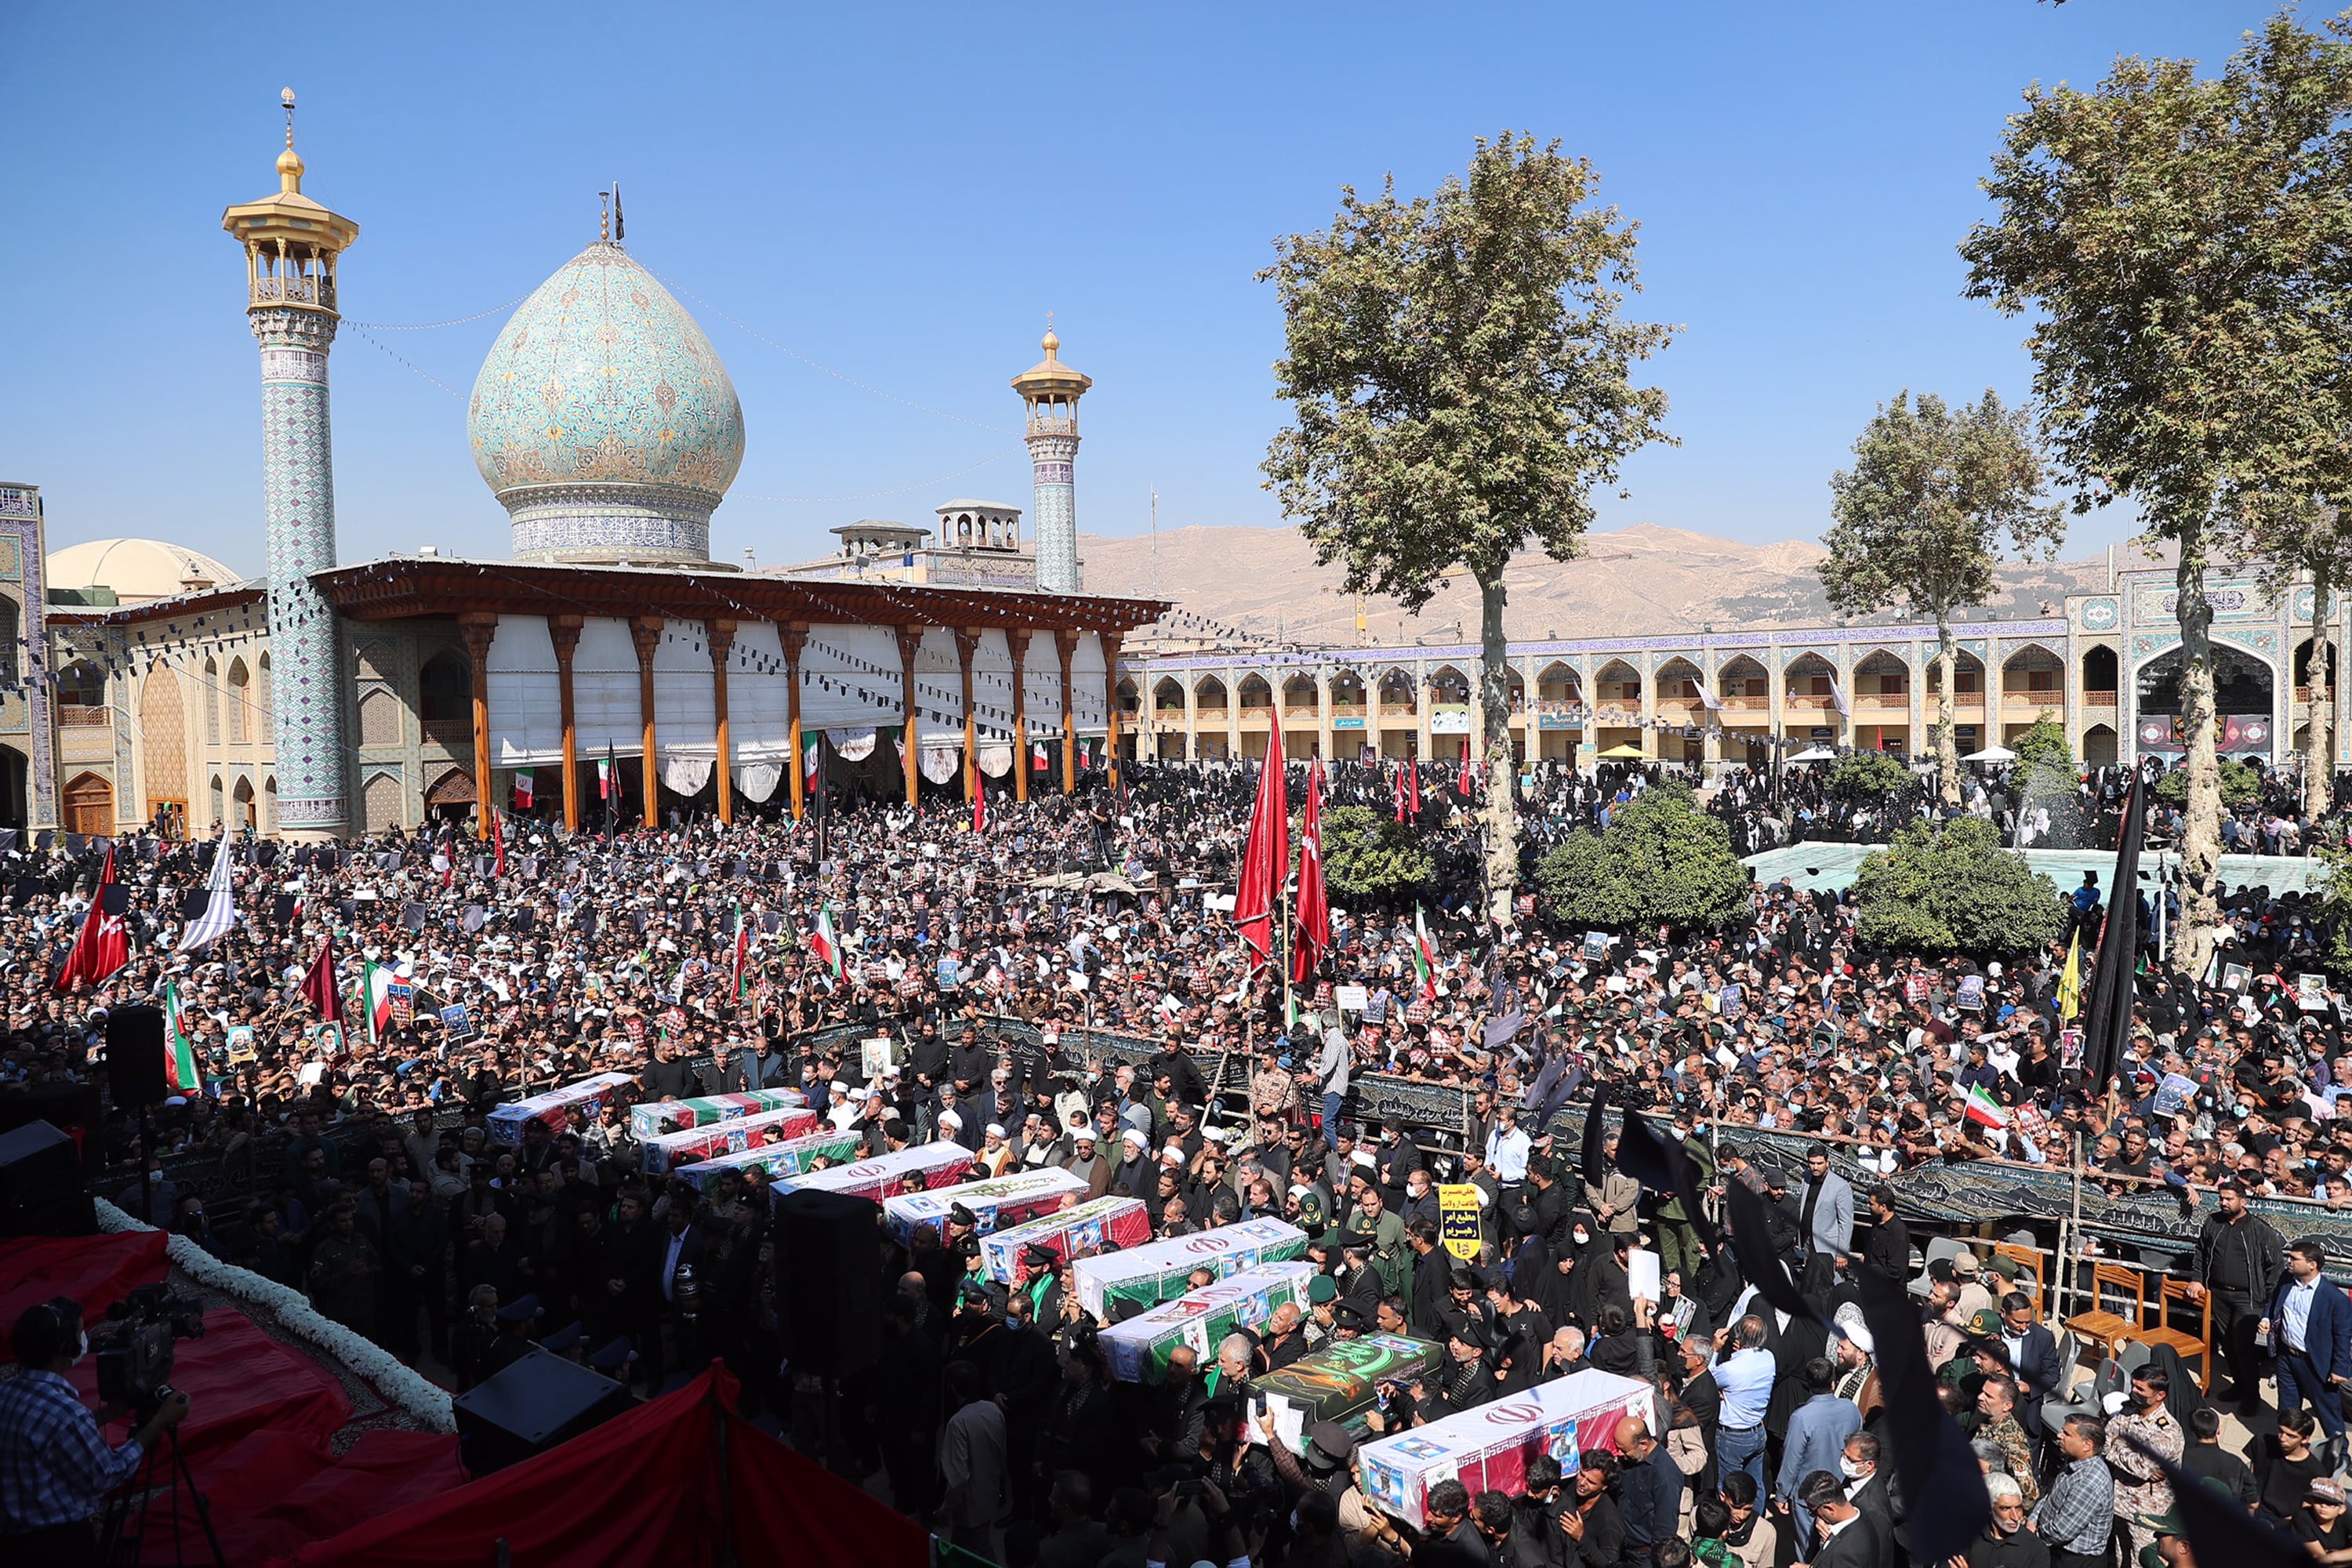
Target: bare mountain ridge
x: 1640, y: 580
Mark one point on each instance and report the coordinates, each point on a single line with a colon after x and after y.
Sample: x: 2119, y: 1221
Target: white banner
x: 685, y: 775
x: 755, y: 781
x: 938, y: 763
x: 996, y: 761
x: 851, y: 745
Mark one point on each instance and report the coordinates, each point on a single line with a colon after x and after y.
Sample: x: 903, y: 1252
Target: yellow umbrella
x: 1624, y: 752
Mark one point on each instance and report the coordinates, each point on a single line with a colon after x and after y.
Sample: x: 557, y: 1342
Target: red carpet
x: 96, y: 1270
x: 646, y: 1490
x: 240, y: 1381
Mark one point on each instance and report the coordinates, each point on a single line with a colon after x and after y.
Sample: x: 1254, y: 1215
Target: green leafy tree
x: 1867, y: 776
x: 1461, y: 376
x: 2044, y: 757
x: 1661, y: 861
x: 2334, y: 912
x: 1948, y: 887
x: 2182, y: 243
x: 2239, y: 784
x: 1935, y: 496
x: 1370, y: 857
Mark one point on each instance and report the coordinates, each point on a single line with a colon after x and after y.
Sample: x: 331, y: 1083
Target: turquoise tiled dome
x: 603, y: 420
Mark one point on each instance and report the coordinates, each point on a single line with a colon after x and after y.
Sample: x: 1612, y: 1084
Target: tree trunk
x: 1947, y: 745
x: 2319, y: 750
x: 1501, y: 811
x: 2200, y: 836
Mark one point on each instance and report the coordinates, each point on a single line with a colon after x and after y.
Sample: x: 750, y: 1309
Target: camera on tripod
x: 133, y: 1348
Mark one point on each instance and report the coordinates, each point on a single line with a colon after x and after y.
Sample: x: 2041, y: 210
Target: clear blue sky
x: 902, y: 193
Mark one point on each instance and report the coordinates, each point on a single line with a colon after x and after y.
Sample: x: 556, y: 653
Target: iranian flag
x: 377, y: 995
x: 1037, y: 758
x: 1424, y: 956
x: 605, y: 777
x: 1983, y: 1108
x: 180, y: 1059
x: 522, y: 789
x: 809, y: 764
x: 742, y: 951
x: 822, y: 942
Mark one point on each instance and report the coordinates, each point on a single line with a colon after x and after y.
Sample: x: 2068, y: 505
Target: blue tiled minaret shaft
x: 291, y: 246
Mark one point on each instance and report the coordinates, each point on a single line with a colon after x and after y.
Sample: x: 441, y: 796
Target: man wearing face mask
x: 55, y: 1467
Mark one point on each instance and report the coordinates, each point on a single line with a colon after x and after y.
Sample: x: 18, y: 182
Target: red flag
x: 103, y: 945
x: 1412, y: 774
x: 980, y: 809
x: 318, y: 985
x: 499, y: 844
x: 1396, y: 789
x: 1314, y: 905
x: 1462, y: 779
x: 1267, y: 860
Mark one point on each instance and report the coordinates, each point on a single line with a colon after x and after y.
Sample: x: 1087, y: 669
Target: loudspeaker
x: 529, y: 1406
x: 829, y: 1281
x: 71, y: 1107
x: 134, y: 1056
x: 40, y: 1184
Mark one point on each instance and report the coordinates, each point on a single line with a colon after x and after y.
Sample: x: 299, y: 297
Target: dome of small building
x: 602, y: 420
x: 137, y: 570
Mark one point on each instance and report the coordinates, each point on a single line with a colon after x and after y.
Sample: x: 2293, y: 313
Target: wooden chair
x: 2028, y: 1258
x: 2096, y: 1325
x: 2184, y: 1343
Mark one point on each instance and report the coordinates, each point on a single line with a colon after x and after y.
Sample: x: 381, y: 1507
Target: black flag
x: 1751, y: 1238
x: 1661, y: 1166
x: 1596, y: 1136
x: 2108, y: 1024
x: 1942, y: 1481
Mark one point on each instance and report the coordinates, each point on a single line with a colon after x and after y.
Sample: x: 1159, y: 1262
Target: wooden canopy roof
x: 407, y: 586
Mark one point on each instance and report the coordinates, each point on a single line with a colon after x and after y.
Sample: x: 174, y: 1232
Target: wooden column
x: 1066, y: 643
x: 722, y: 642
x: 645, y: 631
x: 794, y: 635
x: 1110, y: 696
x: 564, y: 631
x: 479, y: 627
x: 1016, y: 640
x: 910, y: 639
x: 967, y: 639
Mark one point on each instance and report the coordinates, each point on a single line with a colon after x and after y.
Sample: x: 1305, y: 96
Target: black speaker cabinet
x: 71, y: 1107
x: 134, y: 1056
x: 529, y: 1407
x: 829, y: 1281
x: 40, y: 1184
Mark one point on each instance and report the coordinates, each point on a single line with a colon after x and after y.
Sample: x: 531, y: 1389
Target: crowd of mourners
x: 352, y: 1159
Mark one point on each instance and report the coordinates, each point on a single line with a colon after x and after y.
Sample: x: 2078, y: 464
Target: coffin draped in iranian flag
x: 555, y: 1107
x: 884, y: 1175
x: 1120, y: 1284
x: 1341, y: 1381
x: 997, y: 1203
x: 782, y: 1161
x: 656, y: 1155
x: 660, y: 1116
x: 1488, y: 1448
x: 1137, y: 1349
x: 1065, y: 1233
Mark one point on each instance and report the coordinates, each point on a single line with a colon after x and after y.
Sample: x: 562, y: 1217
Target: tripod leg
x: 203, y: 1509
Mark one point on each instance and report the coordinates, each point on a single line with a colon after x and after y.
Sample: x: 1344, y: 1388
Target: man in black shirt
x: 668, y: 1076
x: 2239, y: 1259
x: 1888, y: 1249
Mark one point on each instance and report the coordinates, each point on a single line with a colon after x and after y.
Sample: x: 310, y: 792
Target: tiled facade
x: 2101, y: 669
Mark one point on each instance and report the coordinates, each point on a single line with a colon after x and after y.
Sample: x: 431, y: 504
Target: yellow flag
x: 2070, y: 983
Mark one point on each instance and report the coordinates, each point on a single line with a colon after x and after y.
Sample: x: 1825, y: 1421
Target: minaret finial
x: 1050, y: 342
x: 604, y: 231
x: 289, y: 162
